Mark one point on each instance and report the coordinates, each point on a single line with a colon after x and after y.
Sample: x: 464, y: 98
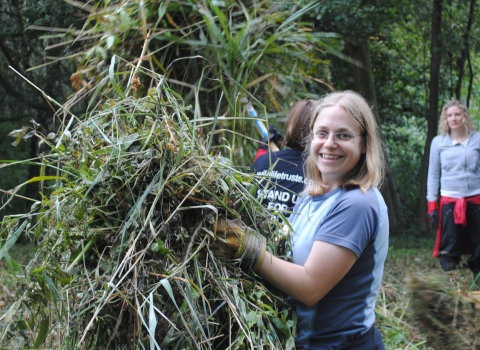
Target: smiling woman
x: 339, y: 232
x: 335, y: 156
x: 344, y: 113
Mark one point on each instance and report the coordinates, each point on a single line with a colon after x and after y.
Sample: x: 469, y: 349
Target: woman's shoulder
x: 289, y: 155
x: 363, y: 200
x: 440, y: 139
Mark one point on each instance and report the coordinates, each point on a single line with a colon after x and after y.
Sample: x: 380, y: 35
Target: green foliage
x: 214, y: 54
x: 22, y: 50
x: 357, y: 19
x: 405, y: 144
x: 9, y: 176
x: 124, y: 231
x: 454, y: 34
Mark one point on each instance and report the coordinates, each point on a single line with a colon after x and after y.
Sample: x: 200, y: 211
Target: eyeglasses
x: 338, y: 137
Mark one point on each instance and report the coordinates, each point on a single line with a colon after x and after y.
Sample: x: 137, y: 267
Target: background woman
x: 455, y: 168
x: 284, y: 168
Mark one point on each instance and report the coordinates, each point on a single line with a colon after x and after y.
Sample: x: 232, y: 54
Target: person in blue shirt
x: 283, y: 170
x: 339, y: 231
x: 454, y: 169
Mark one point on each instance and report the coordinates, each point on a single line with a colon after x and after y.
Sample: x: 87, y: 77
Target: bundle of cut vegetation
x: 130, y: 198
x: 445, y: 311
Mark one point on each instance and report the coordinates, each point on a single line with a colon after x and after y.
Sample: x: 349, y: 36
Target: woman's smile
x: 338, y: 144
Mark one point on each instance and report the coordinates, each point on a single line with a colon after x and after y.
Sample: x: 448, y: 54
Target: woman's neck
x: 458, y: 135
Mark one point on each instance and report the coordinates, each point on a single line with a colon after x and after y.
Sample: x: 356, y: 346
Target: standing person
x: 284, y: 168
x: 455, y: 167
x: 340, y: 234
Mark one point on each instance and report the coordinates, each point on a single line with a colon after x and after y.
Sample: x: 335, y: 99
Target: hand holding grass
x: 234, y: 240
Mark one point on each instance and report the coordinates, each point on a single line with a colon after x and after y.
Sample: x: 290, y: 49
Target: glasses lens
x: 343, y: 137
x: 321, y: 135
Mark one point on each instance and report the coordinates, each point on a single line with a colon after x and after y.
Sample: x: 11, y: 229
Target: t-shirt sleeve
x: 352, y: 222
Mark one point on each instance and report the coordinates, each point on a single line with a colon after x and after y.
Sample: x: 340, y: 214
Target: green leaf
x: 38, y: 270
x: 53, y: 288
x: 152, y: 322
x: 12, y: 239
x: 111, y: 75
x: 159, y: 247
x: 19, y: 134
x: 13, y: 266
x: 281, y: 326
x: 98, y: 178
x: 42, y: 332
x: 43, y: 178
x: 110, y: 41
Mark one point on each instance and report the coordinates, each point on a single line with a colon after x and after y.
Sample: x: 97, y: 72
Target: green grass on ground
x: 399, y: 313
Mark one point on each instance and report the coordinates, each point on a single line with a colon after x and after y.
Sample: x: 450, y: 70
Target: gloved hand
x: 433, y: 219
x: 273, y: 136
x: 234, y: 240
x: 432, y: 214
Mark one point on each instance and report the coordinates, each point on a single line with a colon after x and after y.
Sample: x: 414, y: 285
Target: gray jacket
x: 454, y: 167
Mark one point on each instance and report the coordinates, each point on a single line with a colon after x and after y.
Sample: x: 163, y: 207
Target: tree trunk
x: 31, y: 189
x: 465, y: 52
x: 363, y: 80
x: 433, y: 110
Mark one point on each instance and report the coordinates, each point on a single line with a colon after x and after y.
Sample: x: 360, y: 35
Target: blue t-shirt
x: 284, y: 179
x: 357, y: 221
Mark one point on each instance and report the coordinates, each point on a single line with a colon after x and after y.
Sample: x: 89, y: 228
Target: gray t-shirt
x: 454, y: 167
x: 357, y: 221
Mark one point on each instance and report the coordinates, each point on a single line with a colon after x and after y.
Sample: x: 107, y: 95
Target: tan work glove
x: 234, y: 240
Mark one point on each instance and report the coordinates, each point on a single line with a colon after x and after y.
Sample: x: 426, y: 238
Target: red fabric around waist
x: 460, y: 209
x: 459, y: 215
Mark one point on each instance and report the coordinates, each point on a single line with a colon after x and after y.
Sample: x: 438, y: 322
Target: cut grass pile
x: 130, y: 200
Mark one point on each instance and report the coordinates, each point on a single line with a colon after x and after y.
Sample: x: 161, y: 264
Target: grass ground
x: 409, y: 255
x: 410, y: 274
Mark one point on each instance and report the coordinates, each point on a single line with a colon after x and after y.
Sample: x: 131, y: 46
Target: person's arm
x: 272, y: 142
x: 326, y: 265
x: 433, y: 178
x: 433, y: 184
x: 335, y: 248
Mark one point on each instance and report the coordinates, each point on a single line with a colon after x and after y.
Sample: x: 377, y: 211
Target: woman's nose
x: 330, y: 141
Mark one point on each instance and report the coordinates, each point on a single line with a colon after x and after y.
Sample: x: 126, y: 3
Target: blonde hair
x: 370, y: 169
x: 443, y: 127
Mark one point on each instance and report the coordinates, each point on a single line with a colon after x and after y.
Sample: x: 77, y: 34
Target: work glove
x: 432, y: 214
x: 433, y: 219
x: 234, y: 240
x: 273, y: 136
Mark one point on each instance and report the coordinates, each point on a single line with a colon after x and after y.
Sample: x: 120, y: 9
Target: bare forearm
x: 326, y: 265
x: 287, y: 277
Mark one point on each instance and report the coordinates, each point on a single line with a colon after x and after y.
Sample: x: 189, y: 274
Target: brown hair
x: 443, y: 127
x: 297, y: 127
x: 370, y: 169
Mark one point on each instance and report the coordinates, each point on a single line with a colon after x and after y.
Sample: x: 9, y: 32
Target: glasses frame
x: 335, y: 136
